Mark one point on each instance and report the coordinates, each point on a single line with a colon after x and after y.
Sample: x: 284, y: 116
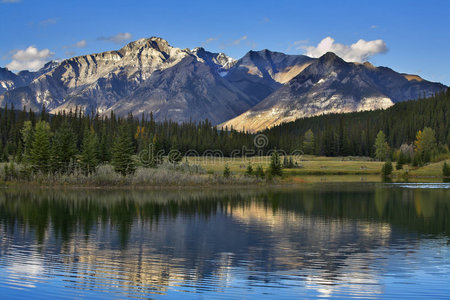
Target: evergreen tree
x: 27, y: 139
x: 381, y: 146
x: 275, y: 168
x: 308, y: 142
x: 64, y: 149
x: 445, y: 169
x: 40, y: 150
x: 249, y: 170
x: 122, y: 152
x: 104, y: 147
x: 226, y: 171
x: 259, y: 173
x: 89, y: 153
x: 387, y: 169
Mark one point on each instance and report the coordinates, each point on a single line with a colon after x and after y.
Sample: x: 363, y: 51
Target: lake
x: 336, y: 240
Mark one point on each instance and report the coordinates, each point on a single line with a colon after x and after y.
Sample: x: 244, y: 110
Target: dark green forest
x: 354, y: 133
x: 56, y: 140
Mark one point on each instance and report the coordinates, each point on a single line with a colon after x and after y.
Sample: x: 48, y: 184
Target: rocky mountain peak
x: 149, y: 44
x: 330, y: 58
x: 369, y: 65
x: 220, y: 61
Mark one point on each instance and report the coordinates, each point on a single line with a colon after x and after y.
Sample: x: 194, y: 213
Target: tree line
x: 354, y: 134
x: 66, y: 140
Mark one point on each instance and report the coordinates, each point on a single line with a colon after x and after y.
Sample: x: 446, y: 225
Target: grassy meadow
x: 200, y: 171
x: 335, y: 168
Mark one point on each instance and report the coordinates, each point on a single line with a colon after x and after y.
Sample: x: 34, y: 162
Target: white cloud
x: 358, y: 52
x: 118, y: 38
x: 81, y: 44
x: 209, y: 40
x: 29, y: 59
x: 10, y: 1
x: 297, y: 45
x: 239, y: 40
x: 236, y: 42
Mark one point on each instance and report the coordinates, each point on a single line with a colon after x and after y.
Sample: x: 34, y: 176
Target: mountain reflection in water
x: 334, y: 240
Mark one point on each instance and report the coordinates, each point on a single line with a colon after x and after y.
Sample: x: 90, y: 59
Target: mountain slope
x: 261, y: 89
x: 190, y: 90
x: 331, y: 85
x: 98, y: 80
x: 259, y: 73
x: 10, y: 81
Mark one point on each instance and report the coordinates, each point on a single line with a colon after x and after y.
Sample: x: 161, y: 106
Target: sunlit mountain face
x: 259, y: 90
x: 339, y: 240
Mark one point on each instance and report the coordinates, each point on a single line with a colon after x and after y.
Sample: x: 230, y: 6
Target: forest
x: 60, y: 142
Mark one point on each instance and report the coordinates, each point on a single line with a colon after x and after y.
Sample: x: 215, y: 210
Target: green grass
x: 309, y: 165
x: 429, y: 170
x: 319, y: 166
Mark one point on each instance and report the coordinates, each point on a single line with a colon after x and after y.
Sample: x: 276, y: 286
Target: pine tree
x: 27, y: 138
x: 89, y: 152
x: 64, y: 149
x: 226, y: 171
x: 122, y: 152
x: 445, y: 170
x: 104, y: 152
x: 249, y: 170
x: 259, y: 173
x: 387, y: 169
x: 381, y: 146
x: 40, y: 150
x: 275, y: 168
x: 308, y: 142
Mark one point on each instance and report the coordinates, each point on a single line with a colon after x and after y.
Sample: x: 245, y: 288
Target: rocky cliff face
x: 261, y: 89
x: 260, y: 73
x: 331, y: 85
x: 10, y: 80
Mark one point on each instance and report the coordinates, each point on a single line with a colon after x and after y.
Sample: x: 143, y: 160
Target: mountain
x: 260, y: 73
x: 150, y: 75
x: 10, y: 80
x: 190, y: 90
x: 97, y: 81
x: 331, y: 85
x: 261, y: 89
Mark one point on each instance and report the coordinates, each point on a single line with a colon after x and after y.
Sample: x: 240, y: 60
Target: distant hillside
x: 354, y: 133
x: 331, y: 85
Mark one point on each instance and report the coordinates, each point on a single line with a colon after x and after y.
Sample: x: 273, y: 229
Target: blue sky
x: 408, y: 36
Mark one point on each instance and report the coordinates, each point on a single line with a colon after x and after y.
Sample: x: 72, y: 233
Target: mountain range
x: 260, y: 90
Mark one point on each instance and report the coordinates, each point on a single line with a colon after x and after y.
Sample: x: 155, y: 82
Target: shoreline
x: 289, y: 182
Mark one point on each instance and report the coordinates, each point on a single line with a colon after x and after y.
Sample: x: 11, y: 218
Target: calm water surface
x: 323, y: 240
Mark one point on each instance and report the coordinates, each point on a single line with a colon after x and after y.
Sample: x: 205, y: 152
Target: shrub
x: 446, y: 170
x: 249, y: 170
x: 226, y: 172
x: 259, y: 173
x: 386, y: 170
